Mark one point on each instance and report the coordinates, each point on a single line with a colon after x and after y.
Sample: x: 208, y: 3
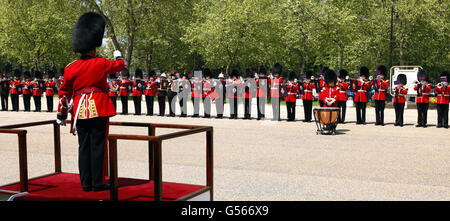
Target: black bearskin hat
x: 330, y: 76
x: 152, y: 73
x: 401, y: 78
x: 17, y: 73
x: 27, y: 74
x: 112, y: 76
x: 87, y: 34
x: 382, y: 70
x: 206, y: 72
x: 138, y: 73
x: 364, y: 71
x: 38, y: 74
x: 343, y: 73
x: 262, y: 69
x: 248, y: 73
x: 422, y: 75
x: 125, y: 73
x: 309, y: 74
x: 235, y: 73
x: 277, y: 68
x: 292, y: 76
x: 445, y: 74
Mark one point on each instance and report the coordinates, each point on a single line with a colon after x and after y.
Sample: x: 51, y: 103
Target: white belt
x: 122, y: 87
x: 342, y: 91
x: 401, y: 95
x: 445, y: 95
x: 35, y: 88
x: 361, y: 90
x: 307, y: 91
x: 292, y: 93
x: 381, y: 90
x: 423, y: 94
x: 49, y: 88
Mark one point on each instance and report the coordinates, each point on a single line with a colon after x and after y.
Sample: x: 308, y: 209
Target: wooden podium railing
x: 154, y: 152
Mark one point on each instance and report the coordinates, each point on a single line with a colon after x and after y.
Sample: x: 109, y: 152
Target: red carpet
x: 67, y: 187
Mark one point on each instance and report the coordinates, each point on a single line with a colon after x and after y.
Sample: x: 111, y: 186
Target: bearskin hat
x: 330, y: 76
x: 235, y: 73
x: 277, y: 68
x: 38, y: 74
x: 27, y: 74
x: 309, y: 74
x: 364, y: 71
x: 125, y: 73
x: 446, y: 75
x: 206, y: 72
x: 138, y: 73
x: 87, y: 34
x: 61, y: 71
x: 343, y: 73
x: 401, y: 78
x: 17, y: 73
x: 422, y: 75
x: 112, y: 76
x: 248, y: 73
x: 292, y: 76
x: 382, y: 70
x: 262, y: 69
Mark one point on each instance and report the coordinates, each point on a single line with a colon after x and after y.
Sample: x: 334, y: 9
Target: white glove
x: 61, y: 122
x: 117, y: 54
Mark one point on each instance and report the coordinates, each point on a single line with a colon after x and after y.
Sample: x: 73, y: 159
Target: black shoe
x: 439, y: 126
x: 103, y: 187
x: 424, y: 126
x: 446, y: 126
x: 419, y: 125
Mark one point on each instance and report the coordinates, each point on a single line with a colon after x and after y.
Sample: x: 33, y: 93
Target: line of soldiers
x: 270, y: 86
x: 16, y: 83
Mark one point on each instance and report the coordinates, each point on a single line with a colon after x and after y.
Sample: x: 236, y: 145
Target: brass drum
x: 326, y: 119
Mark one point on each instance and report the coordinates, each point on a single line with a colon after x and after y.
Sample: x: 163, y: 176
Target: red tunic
x: 292, y: 93
x: 330, y: 95
x: 307, y: 90
x: 137, y: 89
x: 151, y: 88
x: 36, y: 90
x: 261, y: 85
x: 342, y: 92
x: 400, y: 94
x: 275, y: 85
x: 382, y: 85
x: 112, y: 91
x: 207, y: 88
x: 27, y: 87
x: 361, y: 92
x: 123, y: 92
x: 424, y: 97
x: 442, y: 95
x: 88, y: 77
x: 323, y: 87
x: 13, y: 86
x: 49, y: 85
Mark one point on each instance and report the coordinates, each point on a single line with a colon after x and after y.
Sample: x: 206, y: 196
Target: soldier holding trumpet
x: 442, y: 92
x: 423, y: 89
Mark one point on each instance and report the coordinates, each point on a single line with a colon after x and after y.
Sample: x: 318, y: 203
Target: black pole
x: 392, y: 30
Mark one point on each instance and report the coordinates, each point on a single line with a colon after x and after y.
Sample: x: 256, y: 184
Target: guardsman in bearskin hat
x: 291, y: 97
x: 138, y: 85
x: 4, y: 90
x: 38, y: 86
x: 151, y: 89
x: 27, y: 87
x: 124, y: 90
x: 249, y: 85
x: 442, y: 91
x: 15, y: 86
x: 113, y: 88
x: 233, y: 86
x: 380, y: 85
x: 172, y: 91
x: 422, y: 100
x: 183, y: 93
x: 307, y: 96
x: 361, y: 95
x: 49, y: 87
x: 207, y: 90
x: 400, y: 92
x: 330, y: 94
x: 220, y: 90
x: 321, y: 86
x: 342, y: 87
x: 163, y: 85
x: 276, y: 84
x: 86, y: 83
x: 261, y: 92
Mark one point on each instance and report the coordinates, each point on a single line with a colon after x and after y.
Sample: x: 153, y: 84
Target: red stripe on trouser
x: 105, y: 152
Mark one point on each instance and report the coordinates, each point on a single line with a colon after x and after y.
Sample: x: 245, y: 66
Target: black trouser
x: 233, y: 107
x: 4, y: 101
x: 124, y: 100
x: 183, y: 99
x: 307, y: 108
x: 290, y: 111
x: 207, y: 106
x: 149, y: 100
x: 379, y: 111
x: 49, y: 103
x: 220, y: 102
x: 442, y: 110
x: 361, y: 112
x: 114, y: 101
x: 137, y: 104
x: 196, y: 103
x: 92, y: 135
x: 15, y: 102
x: 276, y: 108
x: 343, y: 108
x: 26, y: 101
x: 261, y: 104
x: 399, y: 108
x: 422, y: 110
x: 321, y: 103
x: 172, y: 103
x: 162, y: 104
x: 247, y: 108
x: 37, y: 103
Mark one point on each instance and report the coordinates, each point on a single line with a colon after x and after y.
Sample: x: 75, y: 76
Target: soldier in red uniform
x: 442, y: 91
x: 233, y: 86
x: 138, y: 85
x: 151, y: 89
x: 196, y: 86
x: 15, y: 86
x: 400, y: 92
x: 342, y: 87
x: 361, y: 95
x: 307, y: 96
x: 379, y: 97
x: 276, y: 93
x: 49, y: 86
x: 207, y: 89
x: 422, y: 100
x: 38, y: 85
x: 249, y: 89
x: 261, y: 92
x: 113, y: 88
x: 162, y: 94
x: 86, y: 83
x: 330, y: 94
x: 321, y: 86
x: 124, y: 90
x: 27, y: 87
x: 291, y: 97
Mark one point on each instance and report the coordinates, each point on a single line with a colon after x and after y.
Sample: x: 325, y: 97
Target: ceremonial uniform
x: 113, y: 89
x: 184, y: 91
x: 276, y: 94
x: 4, y: 91
x: 233, y: 86
x: 86, y: 83
x: 261, y: 92
x: 207, y: 90
x: 422, y: 100
x: 162, y: 93
x: 379, y: 97
x: 291, y: 97
x: 307, y: 96
x: 196, y: 86
x: 15, y: 87
x: 172, y: 95
x: 400, y: 99
x: 220, y: 90
x: 124, y: 90
x: 27, y: 91
x: 342, y: 88
x: 151, y: 89
x: 442, y: 91
x: 361, y: 96
x: 38, y: 86
x: 249, y: 87
x: 137, y: 91
x: 49, y: 85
